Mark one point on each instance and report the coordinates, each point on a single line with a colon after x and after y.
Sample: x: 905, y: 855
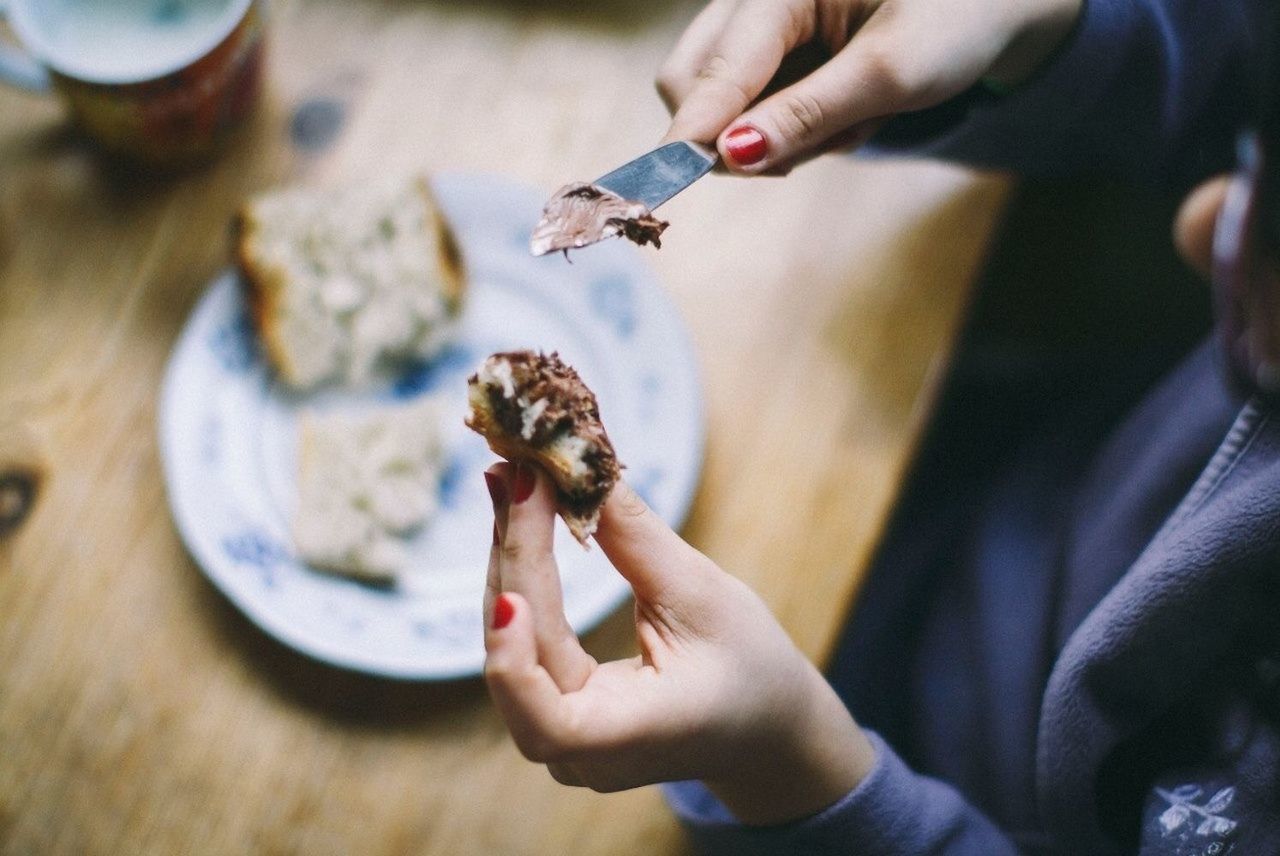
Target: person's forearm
x: 892, y: 812
x: 1141, y: 89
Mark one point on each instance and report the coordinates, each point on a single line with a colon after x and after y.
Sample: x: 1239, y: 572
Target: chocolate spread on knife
x: 581, y: 214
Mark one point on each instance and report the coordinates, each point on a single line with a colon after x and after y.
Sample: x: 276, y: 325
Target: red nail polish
x: 524, y: 483
x: 497, y: 489
x: 746, y: 145
x: 503, y: 612
x: 495, y: 533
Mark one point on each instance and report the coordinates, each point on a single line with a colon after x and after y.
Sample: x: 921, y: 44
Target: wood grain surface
x: 139, y: 711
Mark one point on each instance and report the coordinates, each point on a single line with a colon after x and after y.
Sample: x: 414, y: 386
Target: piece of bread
x: 341, y: 281
x: 530, y: 406
x: 364, y: 480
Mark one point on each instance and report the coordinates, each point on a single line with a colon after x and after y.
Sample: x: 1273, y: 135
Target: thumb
x: 645, y: 550
x: 845, y: 98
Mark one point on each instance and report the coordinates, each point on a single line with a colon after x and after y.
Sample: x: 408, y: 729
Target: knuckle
x: 563, y: 632
x: 550, y: 741
x: 513, y: 551
x: 495, y: 672
x: 631, y: 504
x: 714, y: 67
x: 537, y: 746
x: 718, y: 71
x: 800, y: 20
x: 562, y: 775
x: 886, y: 74
x: 802, y: 116
x: 665, y: 93
x: 665, y: 81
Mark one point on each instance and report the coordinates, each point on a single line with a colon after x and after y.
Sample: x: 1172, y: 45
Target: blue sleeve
x: 893, y: 812
x: 1149, y: 89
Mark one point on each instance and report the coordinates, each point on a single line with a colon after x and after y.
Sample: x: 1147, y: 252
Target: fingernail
x: 497, y: 489
x: 495, y: 536
x: 503, y: 611
x: 523, y: 484
x: 746, y: 145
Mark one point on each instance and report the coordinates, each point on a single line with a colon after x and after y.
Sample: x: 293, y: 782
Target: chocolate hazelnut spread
x: 581, y: 214
x: 539, y: 402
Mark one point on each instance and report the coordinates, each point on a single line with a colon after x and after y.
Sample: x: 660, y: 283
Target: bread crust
x: 451, y: 265
x: 263, y: 287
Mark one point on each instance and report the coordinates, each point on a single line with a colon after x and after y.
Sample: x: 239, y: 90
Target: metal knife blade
x: 655, y: 177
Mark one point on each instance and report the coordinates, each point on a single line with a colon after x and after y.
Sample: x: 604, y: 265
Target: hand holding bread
x: 717, y: 693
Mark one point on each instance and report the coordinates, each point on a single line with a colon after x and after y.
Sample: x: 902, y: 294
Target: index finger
x: 679, y: 72
x: 527, y: 566
x: 737, y: 70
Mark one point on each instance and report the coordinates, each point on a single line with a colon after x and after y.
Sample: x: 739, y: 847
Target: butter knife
x: 655, y: 177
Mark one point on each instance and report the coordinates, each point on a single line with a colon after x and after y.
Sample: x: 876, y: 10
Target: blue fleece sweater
x: 1079, y: 653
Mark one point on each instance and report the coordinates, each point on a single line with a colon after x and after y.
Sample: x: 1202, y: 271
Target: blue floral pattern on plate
x: 234, y: 344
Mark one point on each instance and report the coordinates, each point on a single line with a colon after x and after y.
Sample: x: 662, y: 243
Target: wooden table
x: 139, y: 711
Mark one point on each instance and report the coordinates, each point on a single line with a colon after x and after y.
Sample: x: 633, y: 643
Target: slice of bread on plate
x: 366, y: 478
x: 344, y: 281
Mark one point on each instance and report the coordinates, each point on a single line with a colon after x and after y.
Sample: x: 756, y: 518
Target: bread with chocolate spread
x: 532, y: 406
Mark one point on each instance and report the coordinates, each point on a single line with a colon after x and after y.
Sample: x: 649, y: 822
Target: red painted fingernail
x: 497, y: 488
x: 524, y: 483
x: 746, y: 145
x: 495, y: 533
x: 503, y: 611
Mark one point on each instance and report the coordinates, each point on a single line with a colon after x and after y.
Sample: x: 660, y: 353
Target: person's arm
x: 718, y: 694
x: 892, y: 812
x: 1146, y: 88
x: 1149, y: 89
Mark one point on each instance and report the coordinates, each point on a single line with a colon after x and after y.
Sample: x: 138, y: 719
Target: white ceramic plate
x: 228, y: 441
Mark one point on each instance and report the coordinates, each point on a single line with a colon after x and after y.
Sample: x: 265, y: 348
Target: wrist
x: 804, y: 760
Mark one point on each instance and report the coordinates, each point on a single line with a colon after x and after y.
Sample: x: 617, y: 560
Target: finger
x: 849, y: 94
x: 836, y: 24
x: 496, y: 484
x: 679, y: 72
x: 844, y: 141
x: 748, y: 52
x: 527, y: 566
x: 654, y: 560
x: 1193, y: 228
x: 523, y: 691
